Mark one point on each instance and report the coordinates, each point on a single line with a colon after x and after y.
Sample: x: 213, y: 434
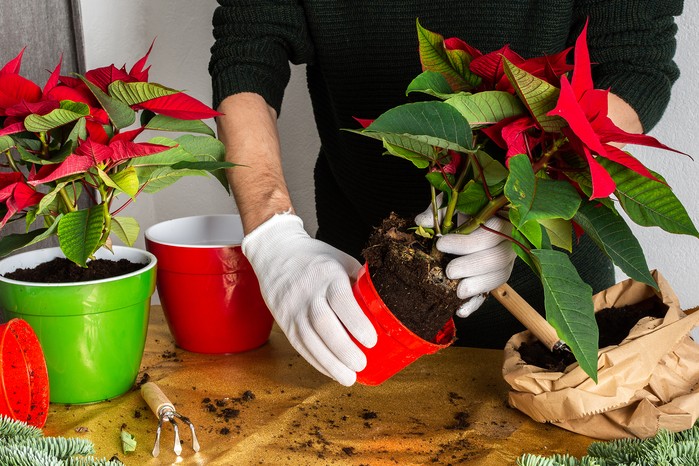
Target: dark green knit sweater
x: 361, y: 55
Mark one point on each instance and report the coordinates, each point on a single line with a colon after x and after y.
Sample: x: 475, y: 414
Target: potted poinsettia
x: 528, y: 140
x: 72, y: 160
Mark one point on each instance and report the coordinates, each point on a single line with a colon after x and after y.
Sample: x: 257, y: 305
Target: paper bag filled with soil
x: 649, y: 381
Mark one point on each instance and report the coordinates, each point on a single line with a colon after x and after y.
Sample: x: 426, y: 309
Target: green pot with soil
x: 407, y: 297
x: 647, y: 365
x: 92, y: 332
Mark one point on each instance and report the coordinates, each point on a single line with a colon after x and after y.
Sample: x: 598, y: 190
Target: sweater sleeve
x: 254, y: 42
x: 632, y: 45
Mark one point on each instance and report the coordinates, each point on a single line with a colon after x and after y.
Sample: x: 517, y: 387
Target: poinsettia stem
x: 129, y: 200
x: 448, y: 222
x: 66, y: 200
x: 11, y: 161
x: 475, y: 161
x: 44, y: 144
x: 544, y: 159
x: 508, y: 237
x: 487, y: 212
x: 435, y: 211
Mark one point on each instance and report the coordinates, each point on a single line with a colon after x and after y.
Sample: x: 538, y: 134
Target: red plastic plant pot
x: 24, y: 379
x: 208, y: 290
x: 397, y: 346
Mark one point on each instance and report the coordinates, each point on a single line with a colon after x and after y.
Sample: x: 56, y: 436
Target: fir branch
x: 60, y: 447
x: 15, y: 430
x: 25, y: 445
x: 665, y: 448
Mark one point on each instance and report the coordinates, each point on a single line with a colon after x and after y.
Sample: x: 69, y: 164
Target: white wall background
x: 120, y: 32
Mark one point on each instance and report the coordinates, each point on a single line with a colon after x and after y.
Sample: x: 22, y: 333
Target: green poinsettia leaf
x: 495, y: 172
x: 533, y: 232
x: 67, y: 113
x: 78, y: 133
x: 205, y: 165
x: 126, y: 229
x: 534, y: 198
x: 137, y: 92
x: 203, y: 155
x: 613, y: 236
x: 453, y: 65
x: 49, y: 201
x: 560, y: 232
x: 79, y: 233
x: 538, y: 95
x: 6, y: 143
x: 486, y: 108
x: 418, y: 159
x: 430, y: 83
x: 125, y: 180
x: 648, y: 202
x: 437, y: 180
x: 12, y: 242
x: 522, y: 253
x: 569, y: 308
x: 434, y: 123
x: 166, y: 123
x: 583, y: 179
x: 471, y: 199
x: 121, y: 114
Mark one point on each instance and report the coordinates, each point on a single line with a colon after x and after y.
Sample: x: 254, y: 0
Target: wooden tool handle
x: 155, y: 398
x: 527, y: 315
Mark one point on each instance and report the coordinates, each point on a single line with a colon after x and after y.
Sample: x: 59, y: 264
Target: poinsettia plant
x: 556, y: 172
x: 75, y: 138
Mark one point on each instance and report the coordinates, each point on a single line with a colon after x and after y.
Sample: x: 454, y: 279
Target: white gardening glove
x: 485, y: 259
x: 306, y: 285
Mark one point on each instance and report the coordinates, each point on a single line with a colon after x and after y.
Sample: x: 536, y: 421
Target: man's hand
x: 485, y: 259
x: 307, y: 286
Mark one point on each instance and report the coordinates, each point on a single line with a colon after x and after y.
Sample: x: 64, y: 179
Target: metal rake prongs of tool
x: 165, y: 411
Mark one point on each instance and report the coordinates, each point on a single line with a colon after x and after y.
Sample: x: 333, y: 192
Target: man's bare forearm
x: 248, y: 130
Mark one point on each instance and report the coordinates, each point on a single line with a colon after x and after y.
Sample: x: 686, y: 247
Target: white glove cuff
x: 279, y: 226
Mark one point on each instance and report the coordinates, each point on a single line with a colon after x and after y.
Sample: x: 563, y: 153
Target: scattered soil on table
x: 410, y: 281
x: 61, y: 270
x: 228, y: 408
x: 614, y: 325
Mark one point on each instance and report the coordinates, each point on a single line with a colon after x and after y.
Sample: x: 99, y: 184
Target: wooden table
x: 268, y: 406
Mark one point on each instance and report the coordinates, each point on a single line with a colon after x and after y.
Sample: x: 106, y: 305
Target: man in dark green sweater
x: 360, y: 57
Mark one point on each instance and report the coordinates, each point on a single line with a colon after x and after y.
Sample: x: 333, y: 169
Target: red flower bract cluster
x: 70, y: 160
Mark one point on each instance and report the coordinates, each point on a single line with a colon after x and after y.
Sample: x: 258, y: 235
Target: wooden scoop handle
x: 527, y: 315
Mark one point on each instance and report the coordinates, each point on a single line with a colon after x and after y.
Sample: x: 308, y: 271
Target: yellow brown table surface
x: 268, y: 406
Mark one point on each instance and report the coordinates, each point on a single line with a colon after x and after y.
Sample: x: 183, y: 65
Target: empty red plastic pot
x: 208, y: 290
x: 397, y: 346
x: 23, y: 375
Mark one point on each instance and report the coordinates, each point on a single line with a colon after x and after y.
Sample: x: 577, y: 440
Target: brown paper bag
x: 648, y: 382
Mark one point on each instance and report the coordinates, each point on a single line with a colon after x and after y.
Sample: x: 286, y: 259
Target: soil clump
x: 410, y: 278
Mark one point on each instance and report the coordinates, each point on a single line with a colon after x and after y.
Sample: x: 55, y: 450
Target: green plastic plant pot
x: 92, y: 333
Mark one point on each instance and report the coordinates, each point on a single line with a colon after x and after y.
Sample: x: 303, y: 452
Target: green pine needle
x: 25, y: 445
x: 665, y: 448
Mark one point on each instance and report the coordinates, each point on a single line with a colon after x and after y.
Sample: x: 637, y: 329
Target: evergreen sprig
x: 25, y: 445
x: 665, y: 448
